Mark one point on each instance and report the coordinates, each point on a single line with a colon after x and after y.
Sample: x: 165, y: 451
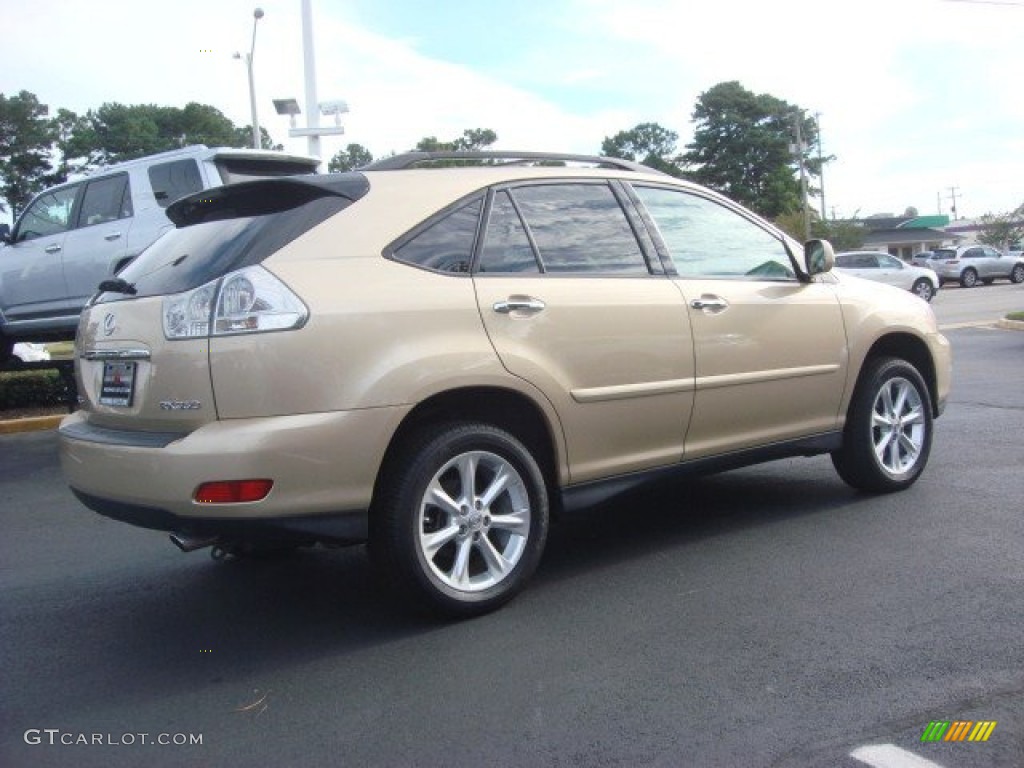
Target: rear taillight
x: 250, y: 300
x: 233, y: 491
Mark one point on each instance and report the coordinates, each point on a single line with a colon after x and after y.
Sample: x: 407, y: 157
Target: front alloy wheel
x: 462, y: 518
x: 888, y: 432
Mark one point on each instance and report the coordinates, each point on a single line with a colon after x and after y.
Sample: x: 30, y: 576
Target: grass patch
x: 1016, y: 316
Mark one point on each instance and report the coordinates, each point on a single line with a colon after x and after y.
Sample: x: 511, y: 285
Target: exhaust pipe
x: 188, y: 543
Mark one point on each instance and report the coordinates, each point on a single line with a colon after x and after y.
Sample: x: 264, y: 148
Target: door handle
x: 52, y: 248
x: 112, y: 236
x: 710, y: 303
x: 519, y: 304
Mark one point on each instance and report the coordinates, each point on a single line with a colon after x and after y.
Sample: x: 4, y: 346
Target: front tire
x: 461, y: 519
x: 923, y: 289
x: 888, y: 433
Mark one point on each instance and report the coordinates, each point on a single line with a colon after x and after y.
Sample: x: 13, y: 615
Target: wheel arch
x: 505, y: 409
x: 914, y: 350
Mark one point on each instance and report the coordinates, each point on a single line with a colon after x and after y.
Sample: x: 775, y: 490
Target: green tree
x: 353, y: 156
x: 741, y: 147
x: 26, y: 134
x: 1002, y: 230
x: 472, y: 140
x: 647, y: 143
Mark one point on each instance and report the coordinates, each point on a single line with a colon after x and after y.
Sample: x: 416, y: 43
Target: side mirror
x: 818, y: 257
x: 5, y: 233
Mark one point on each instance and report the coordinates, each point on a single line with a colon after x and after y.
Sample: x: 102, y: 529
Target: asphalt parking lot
x: 765, y: 617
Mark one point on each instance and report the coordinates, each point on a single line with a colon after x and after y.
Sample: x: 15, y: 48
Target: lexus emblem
x: 109, y: 324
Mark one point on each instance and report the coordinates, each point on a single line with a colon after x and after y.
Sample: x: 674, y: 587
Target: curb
x: 1011, y: 325
x: 31, y: 424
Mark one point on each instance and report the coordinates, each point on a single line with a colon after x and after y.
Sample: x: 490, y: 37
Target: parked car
x: 971, y: 264
x: 923, y: 259
x: 436, y: 360
x: 883, y: 268
x: 72, y: 237
x: 28, y: 352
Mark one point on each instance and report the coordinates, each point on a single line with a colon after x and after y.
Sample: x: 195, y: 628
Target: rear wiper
x: 118, y: 285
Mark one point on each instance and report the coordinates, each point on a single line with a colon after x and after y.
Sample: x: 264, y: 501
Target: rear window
x: 173, y: 180
x: 231, y: 228
x: 944, y: 253
x: 235, y: 169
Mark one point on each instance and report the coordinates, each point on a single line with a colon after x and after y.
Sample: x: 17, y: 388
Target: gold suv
x: 438, y: 352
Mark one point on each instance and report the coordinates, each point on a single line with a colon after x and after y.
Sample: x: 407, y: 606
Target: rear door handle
x: 709, y: 303
x: 52, y: 248
x: 112, y: 236
x: 519, y: 304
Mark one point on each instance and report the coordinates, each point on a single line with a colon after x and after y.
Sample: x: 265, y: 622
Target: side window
x: 173, y: 180
x: 105, y: 200
x: 580, y: 228
x: 973, y: 253
x: 447, y: 244
x: 506, y: 246
x: 48, y: 215
x: 706, y: 239
x: 890, y: 263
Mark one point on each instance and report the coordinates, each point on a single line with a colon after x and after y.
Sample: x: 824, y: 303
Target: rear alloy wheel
x: 969, y: 278
x: 1017, y: 274
x: 923, y: 288
x: 462, y: 519
x: 888, y: 434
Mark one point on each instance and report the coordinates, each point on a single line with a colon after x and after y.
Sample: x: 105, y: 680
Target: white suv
x: 72, y: 237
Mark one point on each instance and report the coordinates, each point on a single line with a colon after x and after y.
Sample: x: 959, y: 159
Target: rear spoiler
x: 262, y: 197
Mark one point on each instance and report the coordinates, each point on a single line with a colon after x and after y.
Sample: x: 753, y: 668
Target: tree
x: 647, y: 143
x: 1002, y: 230
x: 353, y: 156
x: 741, y: 147
x: 472, y: 140
x: 25, y: 138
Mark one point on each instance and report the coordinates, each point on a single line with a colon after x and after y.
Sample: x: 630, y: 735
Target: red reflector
x: 233, y: 491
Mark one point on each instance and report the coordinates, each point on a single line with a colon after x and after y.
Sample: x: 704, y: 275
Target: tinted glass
x: 50, y: 214
x: 506, y: 247
x: 706, y: 239
x: 173, y: 180
x: 236, y: 169
x: 104, y: 200
x: 580, y: 228
x: 447, y: 244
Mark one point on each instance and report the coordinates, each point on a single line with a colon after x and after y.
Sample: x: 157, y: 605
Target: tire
x: 888, y: 433
x: 461, y: 519
x: 1017, y: 274
x: 923, y: 289
x: 968, y: 278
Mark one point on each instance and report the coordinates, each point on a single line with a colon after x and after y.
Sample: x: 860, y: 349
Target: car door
x: 770, y: 348
x: 95, y: 248
x: 31, y: 267
x: 992, y: 264
x: 894, y: 272
x: 576, y: 306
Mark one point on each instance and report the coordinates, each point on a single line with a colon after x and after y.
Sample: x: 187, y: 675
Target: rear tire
x: 923, y: 289
x: 888, y: 433
x: 461, y: 519
x: 1017, y: 274
x: 969, y: 278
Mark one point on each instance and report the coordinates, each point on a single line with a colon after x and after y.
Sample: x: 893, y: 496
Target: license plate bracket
x: 118, y: 388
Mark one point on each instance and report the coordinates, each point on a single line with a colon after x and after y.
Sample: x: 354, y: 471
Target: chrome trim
x: 758, y: 377
x: 627, y: 391
x: 115, y: 354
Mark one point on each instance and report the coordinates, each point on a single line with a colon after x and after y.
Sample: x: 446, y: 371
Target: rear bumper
x: 323, y: 466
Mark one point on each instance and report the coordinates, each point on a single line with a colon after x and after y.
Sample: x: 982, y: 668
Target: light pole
x: 257, y: 14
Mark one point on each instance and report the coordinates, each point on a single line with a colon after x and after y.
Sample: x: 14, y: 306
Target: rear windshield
x: 235, y: 169
x: 944, y: 253
x: 235, y: 236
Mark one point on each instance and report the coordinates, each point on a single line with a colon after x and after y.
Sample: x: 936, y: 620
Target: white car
x: 28, y: 352
x: 883, y: 268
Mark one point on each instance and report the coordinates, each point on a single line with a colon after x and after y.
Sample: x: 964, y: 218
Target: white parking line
x: 890, y: 756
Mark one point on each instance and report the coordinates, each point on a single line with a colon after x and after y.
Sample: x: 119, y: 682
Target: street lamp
x: 257, y: 14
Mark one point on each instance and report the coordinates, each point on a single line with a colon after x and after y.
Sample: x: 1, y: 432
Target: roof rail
x: 408, y: 160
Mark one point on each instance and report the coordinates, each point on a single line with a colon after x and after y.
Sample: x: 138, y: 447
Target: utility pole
x: 821, y: 165
x: 952, y: 196
x: 798, y: 150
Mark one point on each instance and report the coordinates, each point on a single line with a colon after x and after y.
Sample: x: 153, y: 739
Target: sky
x: 919, y: 100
